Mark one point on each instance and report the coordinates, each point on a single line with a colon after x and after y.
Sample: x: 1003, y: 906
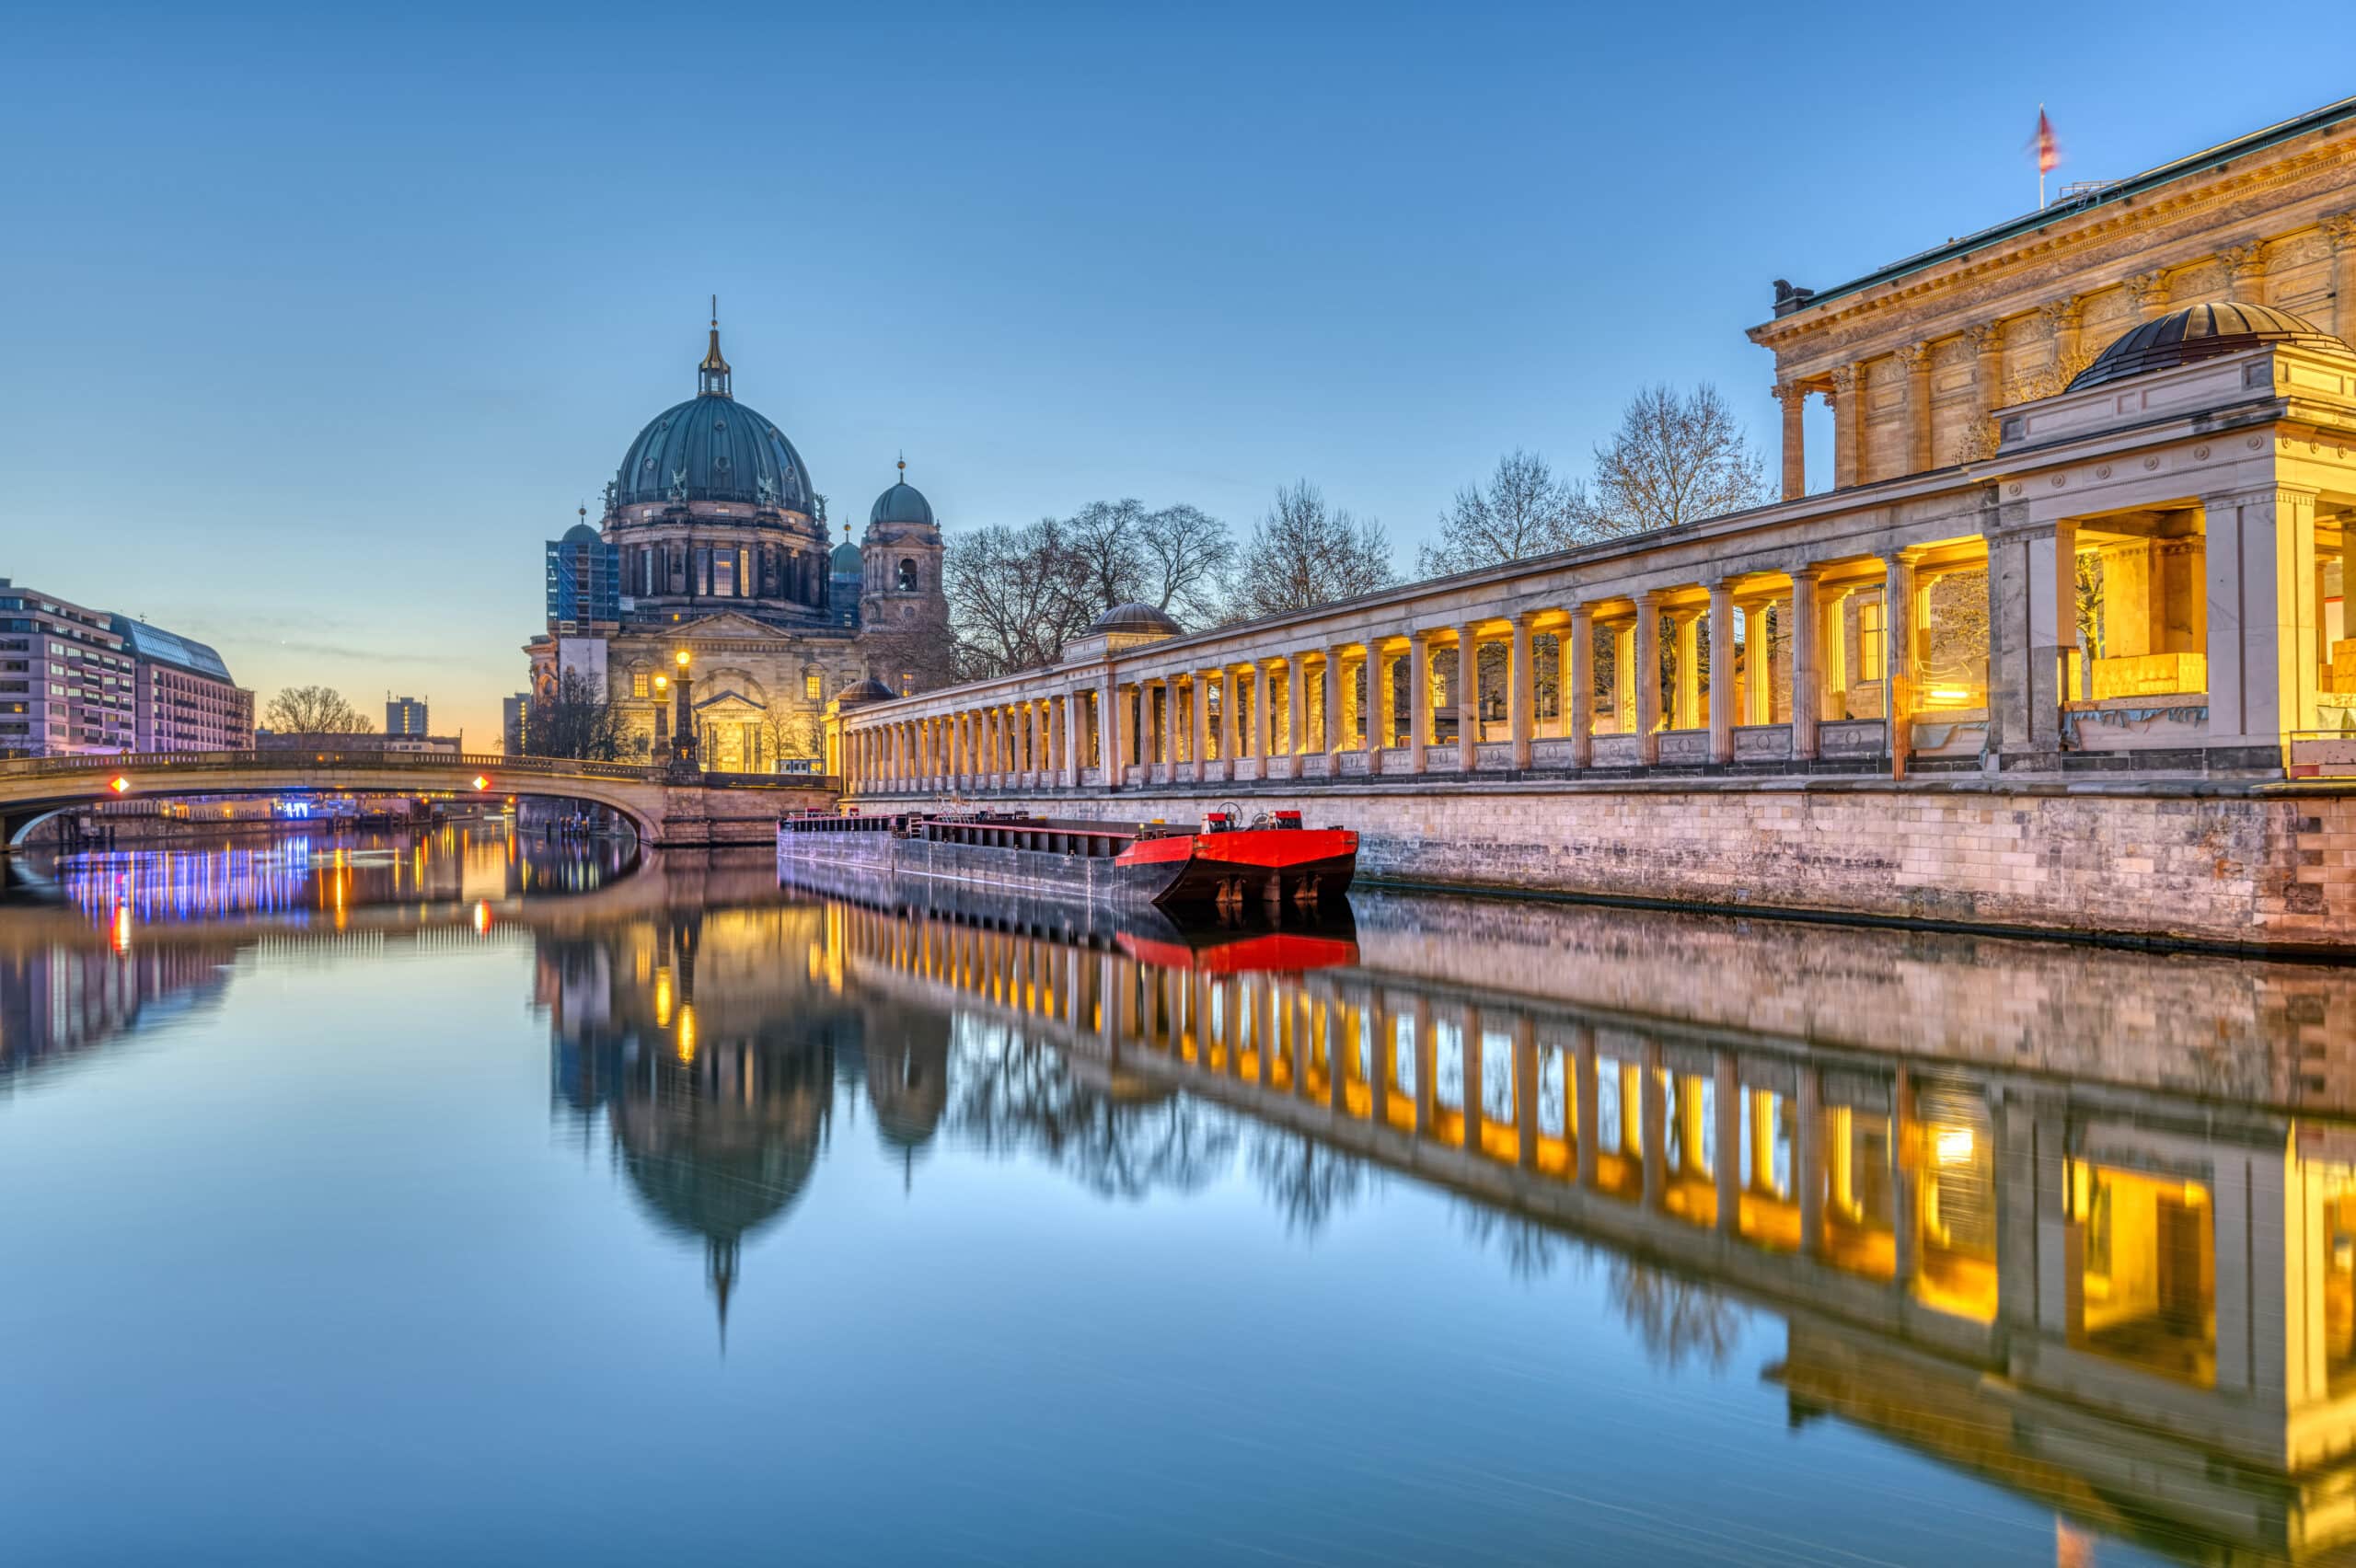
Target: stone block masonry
x: 2268, y: 867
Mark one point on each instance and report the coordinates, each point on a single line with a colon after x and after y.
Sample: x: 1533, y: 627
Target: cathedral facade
x: 713, y: 544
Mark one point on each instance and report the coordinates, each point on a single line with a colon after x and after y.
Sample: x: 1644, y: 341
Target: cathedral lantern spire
x: 712, y: 377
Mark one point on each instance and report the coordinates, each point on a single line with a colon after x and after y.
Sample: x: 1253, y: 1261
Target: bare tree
x: 1310, y: 1182
x: 1304, y: 554
x: 316, y: 711
x: 1525, y: 512
x: 1016, y: 595
x: 1676, y: 459
x: 572, y: 718
x: 1104, y: 539
x: 1187, y: 557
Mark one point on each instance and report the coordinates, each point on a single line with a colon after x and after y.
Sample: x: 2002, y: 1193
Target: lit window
x: 637, y: 683
x: 810, y: 688
x: 1869, y: 639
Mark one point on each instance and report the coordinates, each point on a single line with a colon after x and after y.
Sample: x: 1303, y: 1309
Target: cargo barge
x: 1220, y: 863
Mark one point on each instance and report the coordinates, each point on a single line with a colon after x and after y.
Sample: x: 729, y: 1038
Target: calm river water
x: 462, y: 1200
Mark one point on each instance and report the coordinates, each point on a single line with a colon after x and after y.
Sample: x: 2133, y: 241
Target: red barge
x: 1220, y: 863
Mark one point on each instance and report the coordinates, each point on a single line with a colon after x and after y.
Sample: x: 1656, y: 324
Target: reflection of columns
x: 1847, y: 399
x: 1807, y: 673
x: 1807, y: 1159
x: 1521, y: 695
x: 1419, y: 705
x: 1474, y: 1075
x: 1652, y: 1104
x: 1468, y: 698
x: 1383, y: 1044
x: 1903, y: 1180
x: 1585, y: 1112
x: 1722, y: 671
x: 1647, y: 674
x: 1915, y: 359
x: 1794, y: 398
x: 1726, y: 1092
x: 1426, y: 1051
x: 1576, y: 674
x: 1260, y: 718
x: 1525, y: 1089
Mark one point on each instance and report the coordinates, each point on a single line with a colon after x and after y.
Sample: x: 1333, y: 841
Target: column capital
x: 2340, y: 230
x: 2150, y: 288
x: 1809, y: 573
x: 1909, y: 554
x: 1844, y: 381
x: 1914, y: 356
x: 2062, y: 313
x: 1985, y: 337
x: 1790, y: 393
x: 2248, y: 257
x: 1581, y: 612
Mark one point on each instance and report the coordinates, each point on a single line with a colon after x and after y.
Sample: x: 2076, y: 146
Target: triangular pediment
x: 731, y: 697
x: 726, y: 624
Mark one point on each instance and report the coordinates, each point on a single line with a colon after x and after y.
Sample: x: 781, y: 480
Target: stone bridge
x: 669, y: 809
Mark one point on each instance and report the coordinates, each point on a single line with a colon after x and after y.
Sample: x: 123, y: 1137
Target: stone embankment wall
x: 2226, y: 866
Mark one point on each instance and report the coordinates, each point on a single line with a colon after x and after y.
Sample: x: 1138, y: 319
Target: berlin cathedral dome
x: 713, y: 448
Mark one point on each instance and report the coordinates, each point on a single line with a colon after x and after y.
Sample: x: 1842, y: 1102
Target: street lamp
x: 682, y: 740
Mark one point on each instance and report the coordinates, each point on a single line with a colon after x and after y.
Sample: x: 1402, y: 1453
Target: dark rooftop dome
x: 1134, y: 618
x: 2200, y: 332
x: 869, y: 691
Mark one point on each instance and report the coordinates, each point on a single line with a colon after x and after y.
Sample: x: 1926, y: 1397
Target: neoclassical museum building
x: 714, y: 542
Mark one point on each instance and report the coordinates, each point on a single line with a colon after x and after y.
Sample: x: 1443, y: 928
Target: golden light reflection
x: 687, y: 1032
x: 663, y: 998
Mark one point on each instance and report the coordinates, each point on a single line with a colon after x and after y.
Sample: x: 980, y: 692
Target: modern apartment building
x: 68, y: 680
x: 183, y: 698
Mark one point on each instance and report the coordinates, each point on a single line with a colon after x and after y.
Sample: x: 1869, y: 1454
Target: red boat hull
x: 1275, y: 864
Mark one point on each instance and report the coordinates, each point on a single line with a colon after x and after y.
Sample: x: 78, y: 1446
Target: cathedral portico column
x: 1468, y: 698
x: 1575, y: 674
x: 1521, y: 689
x: 1808, y: 666
x: 1722, y: 671
x: 1794, y: 398
x: 1646, y: 677
x: 1916, y: 359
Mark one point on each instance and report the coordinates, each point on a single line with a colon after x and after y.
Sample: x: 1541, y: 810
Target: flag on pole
x: 2049, y: 151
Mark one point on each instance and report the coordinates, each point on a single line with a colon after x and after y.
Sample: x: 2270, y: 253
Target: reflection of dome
x: 2198, y: 332
x: 908, y: 1090
x: 1134, y: 618
x: 902, y: 503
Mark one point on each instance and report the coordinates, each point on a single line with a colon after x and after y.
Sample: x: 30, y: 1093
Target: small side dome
x: 582, y: 534
x: 902, y: 503
x: 869, y: 691
x: 2200, y: 332
x: 1133, y: 619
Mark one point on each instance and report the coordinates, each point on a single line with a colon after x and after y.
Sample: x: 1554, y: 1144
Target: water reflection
x: 2082, y: 1224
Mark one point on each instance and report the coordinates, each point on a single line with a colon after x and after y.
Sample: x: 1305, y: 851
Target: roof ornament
x: 712, y: 377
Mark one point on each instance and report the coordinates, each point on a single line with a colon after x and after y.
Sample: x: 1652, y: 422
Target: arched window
x: 908, y: 576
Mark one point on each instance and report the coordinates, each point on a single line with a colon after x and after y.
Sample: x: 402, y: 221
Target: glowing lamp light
x: 662, y: 683
x: 683, y: 658
x: 1949, y: 694
x: 120, y: 784
x: 1953, y: 1146
x: 481, y: 783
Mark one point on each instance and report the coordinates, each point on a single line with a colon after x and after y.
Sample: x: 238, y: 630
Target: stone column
x: 1687, y: 715
x: 1900, y: 616
x: 2339, y: 232
x: 1336, y: 722
x: 1521, y: 694
x: 1125, y: 733
x: 1261, y: 705
x: 2032, y: 625
x: 1807, y: 672
x: 1722, y: 671
x: 1104, y: 728
x: 1794, y: 398
x: 1915, y: 358
x: 1419, y: 705
x: 1758, y: 690
x: 1202, y: 735
x: 2062, y: 317
x: 1227, y: 728
x: 2246, y: 263
x: 1374, y: 718
x: 1295, y: 715
x: 1577, y: 672
x: 1987, y: 340
x: 1468, y: 698
x: 1848, y: 429
x: 2264, y: 644
x: 1647, y: 674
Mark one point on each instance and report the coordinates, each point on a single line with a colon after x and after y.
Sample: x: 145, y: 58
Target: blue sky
x: 319, y: 320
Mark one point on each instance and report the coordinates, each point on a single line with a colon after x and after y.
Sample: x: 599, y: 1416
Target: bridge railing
x: 490, y: 764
